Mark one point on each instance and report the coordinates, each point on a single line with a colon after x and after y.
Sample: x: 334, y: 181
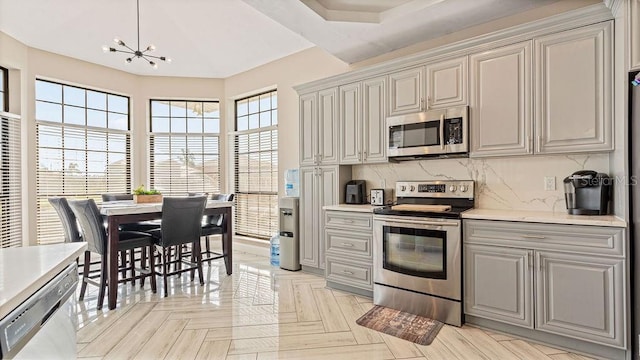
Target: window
x: 83, y: 149
x: 256, y: 165
x: 10, y: 183
x: 4, y: 89
x: 184, y: 146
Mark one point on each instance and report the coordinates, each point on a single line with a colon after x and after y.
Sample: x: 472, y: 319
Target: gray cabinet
x: 319, y: 186
x: 578, y: 272
x: 573, y: 90
x: 348, y: 238
x: 319, y: 128
x: 406, y: 91
x: 580, y: 296
x: 500, y: 101
x: 446, y: 84
x: 499, y: 284
x: 362, y: 122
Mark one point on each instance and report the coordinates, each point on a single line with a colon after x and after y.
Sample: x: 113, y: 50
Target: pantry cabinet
x: 500, y: 101
x: 573, y: 90
x: 319, y: 128
x: 362, y: 122
x: 578, y: 272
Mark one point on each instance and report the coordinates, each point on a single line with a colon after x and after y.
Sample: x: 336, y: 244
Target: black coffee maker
x: 587, y: 192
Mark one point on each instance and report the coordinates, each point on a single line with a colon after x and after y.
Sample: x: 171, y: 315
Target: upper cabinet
x: 573, y: 90
x: 362, y: 122
x: 406, y: 93
x: 446, y: 83
x: 634, y: 35
x: 500, y: 101
x: 319, y: 128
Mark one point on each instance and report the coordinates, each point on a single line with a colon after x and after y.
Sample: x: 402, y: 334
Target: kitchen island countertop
x: 544, y: 217
x: 24, y: 270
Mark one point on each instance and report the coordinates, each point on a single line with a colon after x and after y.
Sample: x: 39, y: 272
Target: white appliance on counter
x: 44, y: 326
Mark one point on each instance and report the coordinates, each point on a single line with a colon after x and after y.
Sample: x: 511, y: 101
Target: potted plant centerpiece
x: 142, y: 196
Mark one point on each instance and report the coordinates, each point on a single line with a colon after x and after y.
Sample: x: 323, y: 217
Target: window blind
x: 256, y: 166
x: 83, y: 149
x: 184, y: 147
x: 11, y: 182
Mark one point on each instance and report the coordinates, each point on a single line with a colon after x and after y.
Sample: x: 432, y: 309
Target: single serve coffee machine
x: 587, y: 192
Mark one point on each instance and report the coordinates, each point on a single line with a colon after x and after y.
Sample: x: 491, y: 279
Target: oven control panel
x: 436, y: 188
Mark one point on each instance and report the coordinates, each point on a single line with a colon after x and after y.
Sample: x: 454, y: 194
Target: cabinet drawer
x: 345, y: 242
x: 573, y: 238
x: 348, y: 220
x: 349, y: 272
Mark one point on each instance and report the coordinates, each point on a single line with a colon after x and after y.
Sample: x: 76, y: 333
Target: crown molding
x: 565, y: 21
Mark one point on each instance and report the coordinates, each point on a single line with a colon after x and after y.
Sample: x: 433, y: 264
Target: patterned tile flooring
x: 263, y: 312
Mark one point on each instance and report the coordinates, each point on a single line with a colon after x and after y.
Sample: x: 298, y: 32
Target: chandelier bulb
x: 153, y: 64
x: 151, y: 47
x: 105, y: 48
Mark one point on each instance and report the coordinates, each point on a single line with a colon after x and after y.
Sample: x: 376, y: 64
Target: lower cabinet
x: 348, y: 237
x: 513, y: 271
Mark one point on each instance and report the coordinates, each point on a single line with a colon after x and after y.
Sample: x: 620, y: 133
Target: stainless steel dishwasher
x: 44, y: 326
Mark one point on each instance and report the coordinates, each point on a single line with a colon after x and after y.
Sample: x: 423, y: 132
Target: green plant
x: 141, y: 191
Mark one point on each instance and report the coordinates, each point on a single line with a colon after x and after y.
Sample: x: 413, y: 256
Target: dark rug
x: 414, y: 328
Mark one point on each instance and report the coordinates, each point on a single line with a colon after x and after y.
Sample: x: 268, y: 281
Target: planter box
x: 144, y: 199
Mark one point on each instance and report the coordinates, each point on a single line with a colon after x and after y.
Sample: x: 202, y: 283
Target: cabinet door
x: 405, y: 91
x: 581, y: 297
x: 574, y: 90
x: 308, y: 217
x: 374, y: 133
x: 500, y: 104
x: 447, y: 83
x: 634, y: 34
x: 350, y: 125
x: 327, y: 195
x: 498, y: 284
x: 308, y: 129
x: 328, y: 126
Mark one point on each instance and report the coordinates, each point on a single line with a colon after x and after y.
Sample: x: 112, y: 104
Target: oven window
x: 416, y: 252
x: 414, y: 135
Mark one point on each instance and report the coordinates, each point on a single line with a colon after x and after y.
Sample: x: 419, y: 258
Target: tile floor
x: 263, y: 312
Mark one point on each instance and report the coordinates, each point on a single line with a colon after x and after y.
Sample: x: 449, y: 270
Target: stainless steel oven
x: 437, y: 133
x: 417, y: 249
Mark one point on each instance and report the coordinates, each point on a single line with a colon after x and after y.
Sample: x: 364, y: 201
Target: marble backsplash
x: 501, y: 183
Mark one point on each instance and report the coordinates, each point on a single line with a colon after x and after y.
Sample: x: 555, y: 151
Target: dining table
x: 125, y: 212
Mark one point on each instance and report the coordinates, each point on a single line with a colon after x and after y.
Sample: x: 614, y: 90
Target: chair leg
x: 198, y: 252
x: 152, y: 265
x: 192, y: 273
x: 225, y: 251
x: 132, y: 256
x: 165, y: 266
x: 207, y: 246
x: 85, y: 273
x: 178, y: 264
x: 143, y: 264
x: 103, y: 281
x: 123, y: 263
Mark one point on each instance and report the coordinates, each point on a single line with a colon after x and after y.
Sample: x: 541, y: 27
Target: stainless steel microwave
x: 435, y: 133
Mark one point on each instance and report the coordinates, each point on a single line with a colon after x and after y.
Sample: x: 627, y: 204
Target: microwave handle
x: 442, y: 131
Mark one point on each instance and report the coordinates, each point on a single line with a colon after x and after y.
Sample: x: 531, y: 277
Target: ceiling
x: 220, y: 38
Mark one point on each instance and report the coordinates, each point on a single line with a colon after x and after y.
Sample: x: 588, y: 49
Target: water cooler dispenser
x: 289, y: 235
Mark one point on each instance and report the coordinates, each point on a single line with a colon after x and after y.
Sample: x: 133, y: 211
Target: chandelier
x: 144, y: 54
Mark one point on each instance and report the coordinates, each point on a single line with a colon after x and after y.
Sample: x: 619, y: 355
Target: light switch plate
x: 550, y: 183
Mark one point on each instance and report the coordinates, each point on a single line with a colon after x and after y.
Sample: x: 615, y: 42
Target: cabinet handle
x: 421, y: 103
x: 347, y: 244
x: 365, y: 155
x: 442, y: 131
x: 533, y: 236
x: 359, y: 155
x: 539, y: 145
x: 347, y: 272
x: 428, y: 102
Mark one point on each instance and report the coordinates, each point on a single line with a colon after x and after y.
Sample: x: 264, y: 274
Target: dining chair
x: 67, y: 218
x: 181, y: 223
x: 94, y: 233
x: 214, y: 225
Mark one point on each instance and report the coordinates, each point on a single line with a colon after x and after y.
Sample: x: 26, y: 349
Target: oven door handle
x: 421, y: 222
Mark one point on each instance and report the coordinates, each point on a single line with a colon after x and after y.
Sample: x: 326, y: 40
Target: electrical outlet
x: 550, y: 183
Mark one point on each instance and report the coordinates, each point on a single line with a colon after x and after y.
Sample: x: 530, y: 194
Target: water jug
x: 275, y: 250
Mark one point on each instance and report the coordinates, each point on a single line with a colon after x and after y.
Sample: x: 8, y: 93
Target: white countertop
x: 366, y: 208
x: 24, y: 270
x: 129, y: 207
x: 544, y: 217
